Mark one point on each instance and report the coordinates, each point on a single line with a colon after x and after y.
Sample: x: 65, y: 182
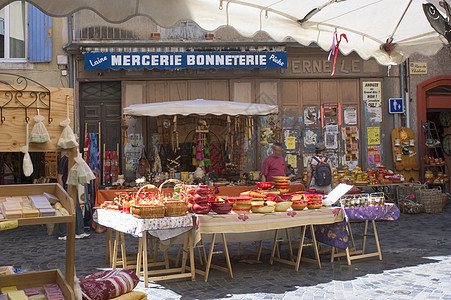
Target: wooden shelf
x: 37, y: 280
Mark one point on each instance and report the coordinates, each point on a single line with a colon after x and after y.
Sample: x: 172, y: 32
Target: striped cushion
x: 108, y: 284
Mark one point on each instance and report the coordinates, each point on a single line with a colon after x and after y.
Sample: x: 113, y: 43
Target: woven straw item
x: 431, y: 200
x: 407, y: 189
x: 175, y: 208
x: 148, y: 212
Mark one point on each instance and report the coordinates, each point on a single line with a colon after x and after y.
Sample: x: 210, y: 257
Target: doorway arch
x: 427, y: 100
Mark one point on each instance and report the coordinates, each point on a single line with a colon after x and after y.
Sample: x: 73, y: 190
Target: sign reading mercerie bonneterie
x: 182, y: 60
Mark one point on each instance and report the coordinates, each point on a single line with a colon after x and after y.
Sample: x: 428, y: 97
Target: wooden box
x: 38, y: 189
x: 37, y: 280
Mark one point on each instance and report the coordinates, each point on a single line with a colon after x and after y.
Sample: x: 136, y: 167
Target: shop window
x: 25, y: 34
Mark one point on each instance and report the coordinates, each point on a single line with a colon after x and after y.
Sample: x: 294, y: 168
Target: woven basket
x: 176, y: 208
x: 407, y: 189
x: 148, y: 212
x: 407, y: 206
x: 431, y: 200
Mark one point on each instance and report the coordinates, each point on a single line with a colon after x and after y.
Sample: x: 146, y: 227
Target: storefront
x: 345, y: 110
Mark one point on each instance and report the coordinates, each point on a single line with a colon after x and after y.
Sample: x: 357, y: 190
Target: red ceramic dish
x: 243, y: 200
x: 284, y: 197
x: 265, y: 185
x: 221, y: 207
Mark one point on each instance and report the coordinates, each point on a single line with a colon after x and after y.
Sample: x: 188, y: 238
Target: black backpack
x: 323, y: 173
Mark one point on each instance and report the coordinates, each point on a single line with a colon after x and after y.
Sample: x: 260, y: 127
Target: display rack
x: 432, y: 147
x: 20, y: 99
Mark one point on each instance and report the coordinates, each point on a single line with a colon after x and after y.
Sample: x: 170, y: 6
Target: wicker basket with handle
x: 431, y: 200
x: 175, y: 208
x: 154, y: 210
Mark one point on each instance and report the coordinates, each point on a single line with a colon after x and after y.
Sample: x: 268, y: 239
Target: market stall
x: 196, y: 140
x: 49, y: 108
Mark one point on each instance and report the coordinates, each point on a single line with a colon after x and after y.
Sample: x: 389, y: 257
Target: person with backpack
x: 319, y: 170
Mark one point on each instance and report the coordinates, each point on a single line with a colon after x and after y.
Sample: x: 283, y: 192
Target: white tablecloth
x: 162, y: 228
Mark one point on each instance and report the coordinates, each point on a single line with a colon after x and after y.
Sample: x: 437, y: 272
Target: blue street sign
x: 396, y: 106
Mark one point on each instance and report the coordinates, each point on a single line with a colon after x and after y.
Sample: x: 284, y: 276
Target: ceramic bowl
x: 264, y: 185
x: 221, y: 207
x: 281, y: 178
x: 282, y: 184
x: 299, y: 205
x: 243, y: 200
x: 284, y: 197
x: 314, y: 206
x: 262, y: 209
x: 283, y: 206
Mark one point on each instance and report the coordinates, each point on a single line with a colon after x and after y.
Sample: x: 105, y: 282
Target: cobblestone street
x: 416, y: 265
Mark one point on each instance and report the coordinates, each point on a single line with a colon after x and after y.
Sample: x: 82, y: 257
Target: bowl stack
x: 282, y: 183
x: 242, y: 204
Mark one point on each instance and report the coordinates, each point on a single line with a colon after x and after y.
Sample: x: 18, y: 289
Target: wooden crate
x: 37, y: 280
x: 38, y: 189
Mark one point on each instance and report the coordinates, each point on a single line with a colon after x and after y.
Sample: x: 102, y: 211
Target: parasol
x: 388, y: 30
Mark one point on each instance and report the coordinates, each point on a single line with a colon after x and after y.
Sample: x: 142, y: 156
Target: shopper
x: 319, y: 170
x: 63, y: 171
x: 274, y: 165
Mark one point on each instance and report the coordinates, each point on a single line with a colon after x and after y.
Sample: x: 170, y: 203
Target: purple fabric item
x: 387, y: 212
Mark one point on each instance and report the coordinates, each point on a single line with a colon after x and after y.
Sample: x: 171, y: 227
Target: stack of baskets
x: 408, y: 194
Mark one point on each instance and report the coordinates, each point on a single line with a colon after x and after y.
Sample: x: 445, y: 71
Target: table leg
x: 139, y: 257
x: 289, y: 244
x: 210, y: 255
x: 377, y: 240
x: 185, y: 251
x: 315, y: 245
x: 274, y: 245
x: 351, y: 236
x: 123, y: 251
x: 226, y: 251
x: 301, y: 245
x: 145, y: 264
x: 259, y: 250
x: 191, y: 255
x: 365, y: 231
x: 157, y: 246
x: 115, y: 246
x: 348, y: 256
x: 332, y: 254
x: 109, y: 246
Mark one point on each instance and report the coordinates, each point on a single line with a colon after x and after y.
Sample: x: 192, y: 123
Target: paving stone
x: 409, y: 269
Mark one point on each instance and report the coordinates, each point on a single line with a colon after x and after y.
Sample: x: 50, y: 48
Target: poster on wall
x: 330, y: 114
x: 374, y: 155
x: 331, y: 140
x: 311, y: 137
x: 311, y: 115
x: 292, y: 160
x: 350, y: 115
x: 351, y: 138
x: 374, y: 137
x: 133, y: 151
x: 372, y: 93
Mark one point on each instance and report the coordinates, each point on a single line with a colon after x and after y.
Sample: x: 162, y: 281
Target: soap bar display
x: 27, y: 206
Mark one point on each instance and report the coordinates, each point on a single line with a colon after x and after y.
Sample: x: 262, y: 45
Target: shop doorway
x: 434, y: 107
x: 100, y: 112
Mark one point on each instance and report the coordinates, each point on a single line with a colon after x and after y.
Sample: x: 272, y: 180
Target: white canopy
x: 200, y: 107
x: 368, y: 24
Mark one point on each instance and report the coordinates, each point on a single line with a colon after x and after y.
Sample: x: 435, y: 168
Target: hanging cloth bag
x: 67, y: 139
x: 80, y: 173
x: 27, y: 164
x: 39, y: 134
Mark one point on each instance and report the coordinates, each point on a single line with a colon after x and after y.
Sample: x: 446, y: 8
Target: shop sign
x: 182, y: 60
x: 418, y: 68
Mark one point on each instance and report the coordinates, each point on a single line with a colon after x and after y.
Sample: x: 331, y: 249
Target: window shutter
x: 40, y: 35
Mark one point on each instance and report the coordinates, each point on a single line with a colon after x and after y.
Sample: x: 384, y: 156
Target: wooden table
x: 254, y: 222
x: 162, y: 228
x: 387, y: 212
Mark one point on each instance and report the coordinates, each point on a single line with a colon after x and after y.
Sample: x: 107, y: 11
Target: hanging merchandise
x: 39, y: 134
x: 80, y: 173
x: 107, y: 168
x: 27, y: 164
x: 94, y: 154
x: 67, y: 139
x: 157, y: 162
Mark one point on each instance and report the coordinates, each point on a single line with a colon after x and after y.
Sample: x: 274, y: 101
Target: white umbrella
x: 200, y: 107
x: 368, y: 24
